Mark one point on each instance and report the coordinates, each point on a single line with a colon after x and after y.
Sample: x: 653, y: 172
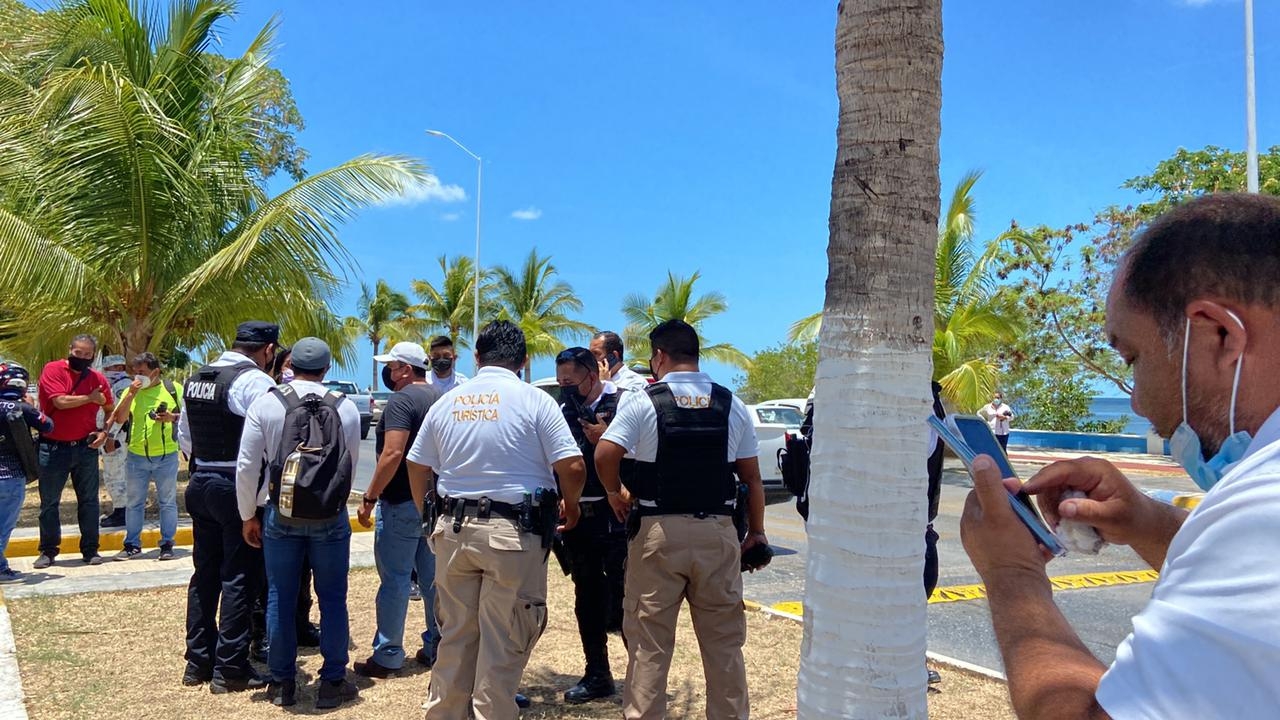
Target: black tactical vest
x: 215, y: 430
x: 605, y: 410
x: 691, y: 473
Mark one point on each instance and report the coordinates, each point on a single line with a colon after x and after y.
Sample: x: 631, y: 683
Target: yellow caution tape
x: 791, y: 606
x: 960, y: 593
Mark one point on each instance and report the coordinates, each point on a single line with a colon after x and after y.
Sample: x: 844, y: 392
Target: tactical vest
x: 215, y: 430
x: 605, y: 410
x: 691, y: 473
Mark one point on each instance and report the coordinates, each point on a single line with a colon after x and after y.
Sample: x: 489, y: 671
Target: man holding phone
x: 151, y: 405
x: 606, y: 346
x: 1194, y: 309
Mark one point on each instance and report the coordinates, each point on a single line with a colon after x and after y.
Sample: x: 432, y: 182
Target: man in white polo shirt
x: 494, y: 443
x: 1195, y: 310
x: 444, y: 375
x: 688, y: 437
x: 606, y: 346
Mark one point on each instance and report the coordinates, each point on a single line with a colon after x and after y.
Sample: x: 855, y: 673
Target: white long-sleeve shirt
x: 263, y: 431
x: 246, y: 388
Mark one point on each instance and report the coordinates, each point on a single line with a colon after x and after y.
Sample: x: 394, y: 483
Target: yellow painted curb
x: 114, y: 541
x: 959, y: 593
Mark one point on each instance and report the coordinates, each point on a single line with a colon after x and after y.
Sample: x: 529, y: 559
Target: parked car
x: 363, y: 401
x: 797, y: 403
x: 380, y: 398
x: 773, y: 423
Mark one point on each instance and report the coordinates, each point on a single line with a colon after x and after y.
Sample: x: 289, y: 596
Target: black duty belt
x: 481, y: 509
x: 68, y: 443
x: 592, y: 508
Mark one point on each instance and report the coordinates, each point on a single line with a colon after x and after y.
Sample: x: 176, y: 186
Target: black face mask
x: 570, y: 394
x: 79, y: 364
x: 442, y: 365
x: 386, y: 378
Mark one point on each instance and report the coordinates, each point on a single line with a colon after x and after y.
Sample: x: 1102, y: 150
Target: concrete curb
x: 11, y: 705
x: 114, y: 541
x: 753, y: 606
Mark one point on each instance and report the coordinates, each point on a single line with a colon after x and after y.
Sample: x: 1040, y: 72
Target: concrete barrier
x: 1087, y: 442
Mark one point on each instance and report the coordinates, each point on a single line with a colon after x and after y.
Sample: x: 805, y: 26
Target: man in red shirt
x: 71, y: 393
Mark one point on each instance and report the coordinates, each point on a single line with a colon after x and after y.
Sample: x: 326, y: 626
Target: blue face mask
x: 1185, y: 443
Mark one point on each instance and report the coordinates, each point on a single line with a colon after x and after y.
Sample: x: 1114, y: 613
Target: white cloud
x: 529, y: 213
x: 450, y: 217
x: 431, y: 190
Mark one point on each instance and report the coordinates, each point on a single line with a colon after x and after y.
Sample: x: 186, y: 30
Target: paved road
x: 963, y: 629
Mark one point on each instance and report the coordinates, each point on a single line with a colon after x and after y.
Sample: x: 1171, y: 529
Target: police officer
x: 688, y: 436
x: 606, y: 346
x: 494, y: 443
x: 597, y: 548
x: 217, y: 397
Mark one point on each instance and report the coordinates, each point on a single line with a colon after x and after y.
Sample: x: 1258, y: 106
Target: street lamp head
x: 437, y: 133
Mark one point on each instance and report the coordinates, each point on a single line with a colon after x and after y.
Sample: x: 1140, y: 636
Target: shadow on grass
x: 545, y: 687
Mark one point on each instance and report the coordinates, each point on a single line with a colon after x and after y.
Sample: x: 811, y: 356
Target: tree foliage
x: 132, y: 201
x: 675, y: 300
x: 531, y: 297
x: 450, y: 307
x: 785, y: 370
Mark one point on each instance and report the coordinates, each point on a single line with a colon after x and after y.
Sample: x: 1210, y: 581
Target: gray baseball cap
x: 111, y: 360
x: 311, y: 354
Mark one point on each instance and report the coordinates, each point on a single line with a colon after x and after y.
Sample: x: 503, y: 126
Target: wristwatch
x: 369, y: 501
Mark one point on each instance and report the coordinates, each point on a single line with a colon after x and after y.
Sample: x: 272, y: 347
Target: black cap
x: 311, y: 354
x: 258, y: 331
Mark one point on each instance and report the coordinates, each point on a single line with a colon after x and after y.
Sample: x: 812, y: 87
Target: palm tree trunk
x: 377, y: 342
x: 864, y: 631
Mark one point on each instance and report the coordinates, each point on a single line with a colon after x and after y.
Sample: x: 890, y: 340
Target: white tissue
x: 1076, y: 536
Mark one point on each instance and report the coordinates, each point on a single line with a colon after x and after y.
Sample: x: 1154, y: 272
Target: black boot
x: 113, y: 520
x: 591, y: 687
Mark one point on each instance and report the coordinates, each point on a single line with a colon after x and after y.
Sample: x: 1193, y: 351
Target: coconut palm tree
x: 384, y: 314
x: 972, y: 320
x: 131, y: 204
x: 451, y: 307
x: 864, y: 619
x: 675, y: 300
x: 532, y: 298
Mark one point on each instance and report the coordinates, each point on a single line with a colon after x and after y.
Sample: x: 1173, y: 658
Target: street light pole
x: 1251, y: 110
x: 475, y: 319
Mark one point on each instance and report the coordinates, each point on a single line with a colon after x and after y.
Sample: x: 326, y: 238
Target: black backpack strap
x: 173, y: 393
x: 287, y: 396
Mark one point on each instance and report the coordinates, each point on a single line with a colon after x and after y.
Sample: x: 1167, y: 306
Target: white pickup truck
x: 363, y: 401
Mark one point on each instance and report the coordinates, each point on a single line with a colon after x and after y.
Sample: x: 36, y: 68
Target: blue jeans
x: 12, y: 492
x: 140, y: 471
x: 328, y: 546
x: 57, y: 461
x: 398, y: 549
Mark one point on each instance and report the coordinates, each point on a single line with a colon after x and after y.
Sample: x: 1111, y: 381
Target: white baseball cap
x: 406, y: 352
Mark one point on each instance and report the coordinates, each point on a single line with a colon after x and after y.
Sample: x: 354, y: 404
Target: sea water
x: 1110, y: 408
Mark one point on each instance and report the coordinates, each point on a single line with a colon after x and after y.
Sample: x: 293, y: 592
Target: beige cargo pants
x: 491, y: 604
x: 675, y: 558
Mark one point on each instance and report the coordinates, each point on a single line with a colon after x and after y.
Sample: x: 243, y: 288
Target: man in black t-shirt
x: 399, y: 547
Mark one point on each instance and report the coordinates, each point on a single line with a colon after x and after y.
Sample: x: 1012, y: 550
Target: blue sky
x: 629, y: 139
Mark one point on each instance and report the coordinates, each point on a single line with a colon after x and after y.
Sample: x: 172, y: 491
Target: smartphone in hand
x: 970, y: 437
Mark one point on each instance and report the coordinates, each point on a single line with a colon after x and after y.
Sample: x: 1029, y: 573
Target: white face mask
x: 1185, y: 443
x: 145, y: 380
